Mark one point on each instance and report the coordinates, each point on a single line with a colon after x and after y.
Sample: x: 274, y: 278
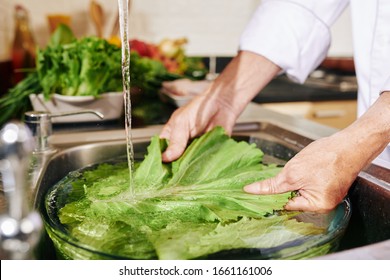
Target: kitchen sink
x: 280, y: 138
x: 370, y: 220
x: 279, y: 146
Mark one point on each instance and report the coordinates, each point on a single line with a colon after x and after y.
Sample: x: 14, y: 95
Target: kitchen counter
x: 330, y: 88
x: 324, y: 84
x: 70, y: 135
x: 323, y: 87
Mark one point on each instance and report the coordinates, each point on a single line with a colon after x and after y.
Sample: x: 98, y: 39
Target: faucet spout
x: 41, y: 126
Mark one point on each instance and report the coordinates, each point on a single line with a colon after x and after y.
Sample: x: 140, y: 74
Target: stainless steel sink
x: 279, y: 145
x: 280, y: 137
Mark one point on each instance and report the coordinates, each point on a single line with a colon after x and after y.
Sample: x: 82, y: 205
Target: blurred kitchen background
x: 213, y: 28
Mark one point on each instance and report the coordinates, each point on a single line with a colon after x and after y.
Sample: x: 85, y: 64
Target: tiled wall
x: 212, y: 27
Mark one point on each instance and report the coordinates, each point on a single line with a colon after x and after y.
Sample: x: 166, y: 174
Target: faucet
x: 41, y: 126
x: 20, y: 225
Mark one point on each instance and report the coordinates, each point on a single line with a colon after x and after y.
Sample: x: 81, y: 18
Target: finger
x: 268, y: 186
x: 176, y: 146
x: 299, y: 203
x: 172, y: 125
x: 166, y: 132
x: 309, y: 204
x: 272, y: 185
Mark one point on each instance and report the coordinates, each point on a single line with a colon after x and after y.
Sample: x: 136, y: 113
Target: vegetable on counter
x: 15, y: 103
x: 152, y: 64
x: 187, y: 209
x: 68, y: 66
x: 77, y: 67
x: 171, y: 53
x: 91, y: 66
x: 148, y: 74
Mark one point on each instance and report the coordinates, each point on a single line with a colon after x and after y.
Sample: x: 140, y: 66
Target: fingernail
x: 163, y: 136
x: 250, y: 188
x: 166, y: 156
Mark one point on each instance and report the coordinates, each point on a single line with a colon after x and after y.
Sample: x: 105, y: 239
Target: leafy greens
x: 86, y: 66
x: 89, y: 66
x: 187, y: 209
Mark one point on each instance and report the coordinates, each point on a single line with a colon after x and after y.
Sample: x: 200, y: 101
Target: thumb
x: 173, y: 152
x: 272, y: 185
x: 176, y: 146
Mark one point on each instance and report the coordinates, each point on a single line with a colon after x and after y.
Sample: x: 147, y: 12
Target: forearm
x: 370, y: 134
x: 245, y: 76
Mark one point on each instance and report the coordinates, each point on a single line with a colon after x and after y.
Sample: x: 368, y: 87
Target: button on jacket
x: 295, y: 35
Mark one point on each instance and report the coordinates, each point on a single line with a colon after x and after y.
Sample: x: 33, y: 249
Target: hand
x: 195, y: 118
x: 324, y: 170
x: 221, y: 104
x: 321, y: 172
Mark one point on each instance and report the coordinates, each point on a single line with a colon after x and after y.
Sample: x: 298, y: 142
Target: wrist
x: 369, y: 135
x: 245, y: 76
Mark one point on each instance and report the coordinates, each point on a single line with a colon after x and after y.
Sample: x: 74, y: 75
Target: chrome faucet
x: 20, y: 224
x: 41, y: 126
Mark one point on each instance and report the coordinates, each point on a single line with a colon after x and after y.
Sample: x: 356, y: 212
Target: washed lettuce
x: 187, y: 209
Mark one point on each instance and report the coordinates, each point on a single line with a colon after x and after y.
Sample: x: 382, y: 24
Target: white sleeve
x: 294, y: 34
x: 386, y: 85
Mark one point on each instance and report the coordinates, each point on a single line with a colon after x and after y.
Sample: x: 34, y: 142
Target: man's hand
x: 195, y: 118
x: 221, y: 104
x: 324, y: 170
x: 320, y: 173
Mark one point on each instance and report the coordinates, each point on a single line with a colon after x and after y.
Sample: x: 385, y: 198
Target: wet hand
x: 199, y: 116
x: 321, y: 173
x: 221, y: 104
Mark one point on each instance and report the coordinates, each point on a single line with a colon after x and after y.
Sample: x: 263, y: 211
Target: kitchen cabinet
x: 334, y: 113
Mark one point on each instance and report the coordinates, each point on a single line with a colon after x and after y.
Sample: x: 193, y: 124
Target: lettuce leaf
x: 178, y: 242
x: 187, y: 209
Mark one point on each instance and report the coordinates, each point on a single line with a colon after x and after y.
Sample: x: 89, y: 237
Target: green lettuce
x: 74, y: 66
x: 187, y: 209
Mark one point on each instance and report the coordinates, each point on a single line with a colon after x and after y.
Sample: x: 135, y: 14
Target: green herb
x: 148, y: 74
x: 16, y: 102
x: 61, y: 36
x: 88, y: 66
x: 187, y: 209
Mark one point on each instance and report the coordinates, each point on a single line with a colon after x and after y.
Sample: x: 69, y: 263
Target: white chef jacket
x: 295, y: 35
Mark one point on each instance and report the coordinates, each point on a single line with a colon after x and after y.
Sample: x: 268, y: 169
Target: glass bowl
x: 132, y: 245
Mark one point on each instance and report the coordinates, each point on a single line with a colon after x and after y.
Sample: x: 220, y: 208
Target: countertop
x: 319, y: 86
x: 76, y: 134
x: 323, y: 84
x: 281, y: 89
